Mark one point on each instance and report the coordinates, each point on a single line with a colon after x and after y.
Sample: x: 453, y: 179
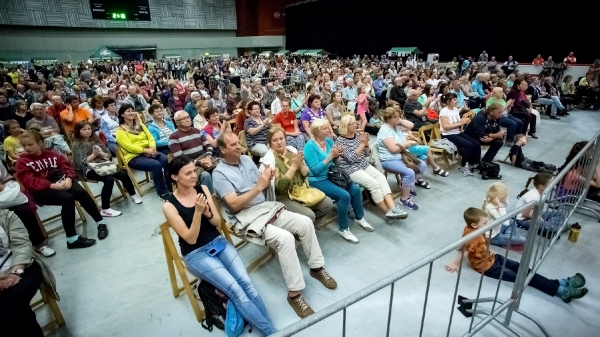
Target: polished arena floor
x: 120, y: 287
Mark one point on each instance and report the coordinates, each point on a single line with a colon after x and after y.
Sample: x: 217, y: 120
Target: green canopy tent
x: 299, y: 52
x: 39, y: 61
x: 404, y: 51
x: 282, y: 52
x: 315, y: 52
x: 266, y: 53
x: 104, y: 54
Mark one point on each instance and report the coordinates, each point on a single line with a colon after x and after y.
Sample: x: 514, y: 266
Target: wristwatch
x: 18, y: 272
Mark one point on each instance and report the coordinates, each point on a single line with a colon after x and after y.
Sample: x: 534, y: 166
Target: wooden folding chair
x: 53, y: 231
x: 58, y: 320
x: 118, y: 198
x: 137, y: 184
x: 244, y: 143
x: 434, y: 130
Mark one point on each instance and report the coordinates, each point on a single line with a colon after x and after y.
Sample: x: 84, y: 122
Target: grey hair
x: 194, y: 94
x: 36, y: 104
x: 180, y: 113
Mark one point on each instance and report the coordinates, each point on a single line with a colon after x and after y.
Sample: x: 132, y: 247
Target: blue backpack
x: 234, y: 322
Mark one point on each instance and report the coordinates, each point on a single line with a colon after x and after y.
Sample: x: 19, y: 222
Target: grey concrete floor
x: 120, y: 287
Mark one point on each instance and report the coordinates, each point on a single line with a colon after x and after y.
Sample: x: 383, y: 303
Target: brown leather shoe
x: 300, y: 306
x: 324, y: 277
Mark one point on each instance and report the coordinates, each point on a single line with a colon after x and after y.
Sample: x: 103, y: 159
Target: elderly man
x: 457, y: 90
x: 22, y: 95
x: 190, y: 108
x: 56, y: 107
x: 74, y: 113
x: 188, y: 141
x: 269, y: 96
x: 485, y: 128
x: 276, y: 105
x: 50, y: 130
x: 136, y: 100
x: 240, y: 185
x: 397, y: 92
x: 415, y: 111
x: 477, y: 87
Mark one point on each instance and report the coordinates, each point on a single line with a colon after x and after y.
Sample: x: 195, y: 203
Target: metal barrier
x: 556, y: 201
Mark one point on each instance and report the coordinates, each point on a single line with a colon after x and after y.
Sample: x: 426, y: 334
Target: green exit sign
x: 118, y: 16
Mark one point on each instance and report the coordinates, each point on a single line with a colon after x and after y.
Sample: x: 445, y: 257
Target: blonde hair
x: 497, y: 89
x: 387, y: 114
x: 343, y: 128
x: 496, y: 190
x: 318, y: 125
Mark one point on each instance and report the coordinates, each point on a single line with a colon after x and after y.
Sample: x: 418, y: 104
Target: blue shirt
x: 378, y: 85
x: 477, y: 87
x: 314, y: 156
x: 350, y: 93
x: 461, y: 97
x: 238, y: 179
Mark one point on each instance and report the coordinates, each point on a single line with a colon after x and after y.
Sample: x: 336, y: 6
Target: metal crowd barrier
x: 555, y: 199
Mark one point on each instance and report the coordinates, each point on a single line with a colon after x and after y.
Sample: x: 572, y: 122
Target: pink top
x: 363, y: 104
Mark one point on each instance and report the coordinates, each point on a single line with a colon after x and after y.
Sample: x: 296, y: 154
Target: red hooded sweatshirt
x: 36, y: 173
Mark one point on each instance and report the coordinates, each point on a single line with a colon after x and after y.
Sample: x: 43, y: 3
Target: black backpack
x: 215, y: 306
x: 489, y: 170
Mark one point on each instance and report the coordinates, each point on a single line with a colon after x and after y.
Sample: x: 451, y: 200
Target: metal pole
x: 462, y: 256
x: 387, y: 334
x: 426, y: 296
x: 344, y: 324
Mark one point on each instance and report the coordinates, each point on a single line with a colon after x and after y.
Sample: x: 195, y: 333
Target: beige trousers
x: 374, y: 181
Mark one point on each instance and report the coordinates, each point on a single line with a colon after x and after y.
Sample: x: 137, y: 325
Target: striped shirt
x: 384, y: 133
x: 351, y: 162
x: 188, y: 143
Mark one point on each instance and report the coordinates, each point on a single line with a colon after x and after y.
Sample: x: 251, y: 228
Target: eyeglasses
x: 183, y: 119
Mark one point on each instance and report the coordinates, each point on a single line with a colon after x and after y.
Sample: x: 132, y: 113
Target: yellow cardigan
x: 134, y: 145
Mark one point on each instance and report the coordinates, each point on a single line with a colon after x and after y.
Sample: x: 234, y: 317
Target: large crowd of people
x: 278, y: 141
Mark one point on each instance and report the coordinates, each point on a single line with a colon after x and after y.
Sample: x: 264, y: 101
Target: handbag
x: 307, y: 196
x: 103, y: 167
x: 410, y: 160
x: 337, y: 176
x: 11, y: 195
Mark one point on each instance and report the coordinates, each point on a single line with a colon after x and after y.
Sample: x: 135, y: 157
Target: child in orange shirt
x: 484, y: 261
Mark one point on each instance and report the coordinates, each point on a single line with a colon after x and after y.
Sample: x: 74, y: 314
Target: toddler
x: 519, y: 160
x: 494, y: 206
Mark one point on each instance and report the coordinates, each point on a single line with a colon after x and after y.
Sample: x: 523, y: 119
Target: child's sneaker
x: 570, y: 294
x: 109, y: 213
x: 575, y: 281
x: 408, y: 204
x: 466, y: 171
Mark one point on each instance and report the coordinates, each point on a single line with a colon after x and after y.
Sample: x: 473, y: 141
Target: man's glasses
x: 182, y: 119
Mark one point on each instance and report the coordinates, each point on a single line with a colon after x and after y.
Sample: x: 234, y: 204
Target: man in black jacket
x: 397, y: 92
x: 485, y: 127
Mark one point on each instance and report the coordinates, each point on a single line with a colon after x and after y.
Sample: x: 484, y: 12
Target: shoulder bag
x: 410, y: 160
x: 307, y: 196
x: 337, y: 176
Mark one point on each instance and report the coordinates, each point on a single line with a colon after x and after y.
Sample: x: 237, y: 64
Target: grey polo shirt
x: 239, y: 179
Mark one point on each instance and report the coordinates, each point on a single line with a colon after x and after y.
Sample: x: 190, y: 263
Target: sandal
x: 423, y: 184
x: 440, y: 172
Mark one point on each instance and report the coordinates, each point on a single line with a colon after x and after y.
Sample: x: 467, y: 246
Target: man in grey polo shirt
x: 238, y: 182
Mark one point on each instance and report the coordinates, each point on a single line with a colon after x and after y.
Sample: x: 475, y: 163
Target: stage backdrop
x: 449, y: 28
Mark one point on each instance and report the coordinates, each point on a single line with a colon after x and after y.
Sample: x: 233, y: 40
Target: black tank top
x: 208, y: 232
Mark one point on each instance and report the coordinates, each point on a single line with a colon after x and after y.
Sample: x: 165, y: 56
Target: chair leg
x: 188, y: 290
x: 80, y: 211
x: 41, y: 224
x: 121, y: 189
x: 58, y: 317
x: 135, y: 183
x: 86, y: 187
x: 172, y: 276
x: 446, y: 161
x: 397, y: 179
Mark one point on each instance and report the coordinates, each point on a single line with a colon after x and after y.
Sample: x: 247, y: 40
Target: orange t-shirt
x: 80, y: 114
x: 287, y: 123
x: 480, y: 257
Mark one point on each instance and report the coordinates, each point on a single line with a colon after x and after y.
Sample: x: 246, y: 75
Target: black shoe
x: 533, y: 136
x: 102, y: 232
x: 567, y: 114
x: 554, y: 117
x: 559, y: 114
x: 166, y: 196
x: 82, y: 242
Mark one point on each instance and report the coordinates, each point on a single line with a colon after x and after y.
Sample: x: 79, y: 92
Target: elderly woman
x: 256, y: 127
x: 287, y: 119
x: 21, y: 274
x: 233, y: 99
x: 160, y: 129
x: 510, y: 122
x: 200, y: 121
x: 139, y: 150
x: 217, y: 103
x: 521, y: 108
x: 312, y: 112
x: 392, y: 145
x: 354, y: 162
x: 319, y: 154
x: 291, y: 171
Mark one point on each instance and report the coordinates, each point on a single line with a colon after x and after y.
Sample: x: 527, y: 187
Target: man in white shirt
x: 276, y: 105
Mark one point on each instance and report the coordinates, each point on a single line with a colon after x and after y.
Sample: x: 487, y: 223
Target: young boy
x: 375, y: 121
x: 519, y: 160
x: 484, y: 261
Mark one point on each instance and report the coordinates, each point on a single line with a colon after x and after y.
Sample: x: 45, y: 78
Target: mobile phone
x: 217, y: 247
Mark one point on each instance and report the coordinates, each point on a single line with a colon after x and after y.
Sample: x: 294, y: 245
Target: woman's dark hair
x: 577, y: 147
x: 311, y: 99
x: 441, y: 87
x: 209, y: 112
x: 212, y: 92
x: 251, y: 105
x: 77, y: 133
x: 154, y: 107
x: 95, y: 100
x: 427, y: 90
x: 448, y: 97
x: 516, y: 84
x: 177, y: 164
x: 538, y: 180
x: 108, y: 101
x: 293, y: 90
x: 122, y: 110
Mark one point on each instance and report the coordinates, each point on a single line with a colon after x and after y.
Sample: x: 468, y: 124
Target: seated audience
x: 276, y: 105
x: 541, y: 96
x: 334, y: 111
x: 353, y: 161
x: 485, y: 128
x: 176, y: 103
x: 291, y: 171
x: 319, y: 154
x: 521, y: 108
x: 211, y: 131
x: 551, y: 219
x: 494, y: 205
x: 109, y: 124
x: 54, y: 184
x: 287, y: 119
x: 416, y: 112
x: 240, y: 118
x: 297, y: 104
x: 233, y: 99
x: 199, y: 121
x: 510, y: 122
x: 190, y: 211
x: 256, y: 127
x: 397, y: 92
x: 310, y: 113
x: 74, y: 113
x: 22, y: 114
x: 160, y: 129
x: 21, y: 275
x: 191, y: 106
x: 55, y: 109
x: 139, y: 150
x: 88, y: 148
x: 240, y: 185
x: 12, y: 144
x: 215, y: 102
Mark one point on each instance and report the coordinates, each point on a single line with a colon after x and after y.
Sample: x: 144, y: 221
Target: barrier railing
x: 550, y: 216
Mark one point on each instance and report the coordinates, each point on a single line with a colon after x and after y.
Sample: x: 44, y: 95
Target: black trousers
x: 495, y: 146
x: 538, y: 281
x: 28, y: 218
x: 16, y: 316
x: 67, y: 199
x: 528, y: 120
x: 109, y: 182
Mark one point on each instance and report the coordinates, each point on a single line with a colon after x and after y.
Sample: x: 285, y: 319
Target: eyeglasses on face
x: 182, y: 119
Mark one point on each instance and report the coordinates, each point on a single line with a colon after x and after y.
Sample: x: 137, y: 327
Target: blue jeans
x: 296, y: 142
x: 408, y: 175
x: 227, y: 272
x: 160, y: 171
x: 343, y: 198
x: 512, y: 125
x: 504, y: 238
x: 551, y: 220
x: 206, y: 179
x: 553, y: 102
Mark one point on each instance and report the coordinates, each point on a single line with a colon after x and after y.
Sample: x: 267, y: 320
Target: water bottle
x: 574, y: 232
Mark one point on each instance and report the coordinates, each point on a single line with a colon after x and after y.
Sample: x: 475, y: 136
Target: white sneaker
x: 348, y: 236
x: 396, y: 213
x: 47, y: 251
x: 364, y: 224
x: 137, y: 199
x: 109, y: 213
x: 466, y: 171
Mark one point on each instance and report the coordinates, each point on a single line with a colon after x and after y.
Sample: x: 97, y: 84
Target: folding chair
x: 434, y: 129
x: 53, y: 231
x: 244, y: 143
x: 118, y: 198
x: 58, y: 320
x: 136, y: 184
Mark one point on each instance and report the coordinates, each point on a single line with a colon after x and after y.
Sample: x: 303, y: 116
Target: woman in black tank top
x: 207, y: 254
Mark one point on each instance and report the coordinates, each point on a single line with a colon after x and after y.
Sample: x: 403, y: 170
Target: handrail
x: 375, y: 287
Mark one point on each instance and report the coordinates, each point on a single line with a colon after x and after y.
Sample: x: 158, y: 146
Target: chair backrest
x: 243, y: 141
x: 469, y: 114
x: 120, y: 158
x: 433, y: 129
x: 224, y: 229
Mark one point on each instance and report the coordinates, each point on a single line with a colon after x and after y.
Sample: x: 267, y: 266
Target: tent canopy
x: 42, y: 61
x: 104, y: 54
x: 299, y: 52
x: 282, y: 52
x: 403, y: 51
x: 315, y: 52
x: 265, y: 53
